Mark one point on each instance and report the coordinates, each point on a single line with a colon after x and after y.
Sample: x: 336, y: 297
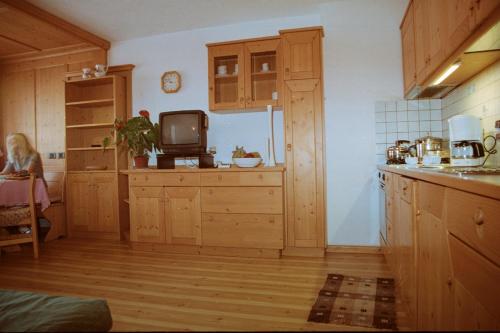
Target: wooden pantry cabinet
x: 224, y: 212
x: 304, y: 141
x: 456, y: 256
x: 246, y: 84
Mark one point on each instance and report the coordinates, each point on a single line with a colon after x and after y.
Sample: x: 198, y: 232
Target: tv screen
x: 180, y: 129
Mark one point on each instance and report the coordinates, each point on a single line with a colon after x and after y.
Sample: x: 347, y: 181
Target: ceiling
x: 117, y: 20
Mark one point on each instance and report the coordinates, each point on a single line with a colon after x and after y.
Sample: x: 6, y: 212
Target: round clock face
x: 171, y: 82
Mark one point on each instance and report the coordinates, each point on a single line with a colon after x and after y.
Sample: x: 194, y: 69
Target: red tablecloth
x: 15, y: 192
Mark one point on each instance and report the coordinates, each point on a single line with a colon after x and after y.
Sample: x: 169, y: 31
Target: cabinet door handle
x: 287, y: 70
x: 479, y: 217
x: 449, y: 282
x: 242, y: 100
x: 289, y: 147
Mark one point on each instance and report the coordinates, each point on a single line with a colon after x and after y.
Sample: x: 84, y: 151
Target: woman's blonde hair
x: 24, y: 148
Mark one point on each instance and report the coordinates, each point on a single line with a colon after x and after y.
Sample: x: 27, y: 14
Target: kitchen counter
x: 486, y: 185
x: 179, y: 168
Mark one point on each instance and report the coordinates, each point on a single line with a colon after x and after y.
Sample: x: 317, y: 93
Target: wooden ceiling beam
x: 20, y: 43
x: 45, y: 16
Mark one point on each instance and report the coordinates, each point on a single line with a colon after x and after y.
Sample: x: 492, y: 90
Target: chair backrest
x: 55, y: 183
x: 31, y: 195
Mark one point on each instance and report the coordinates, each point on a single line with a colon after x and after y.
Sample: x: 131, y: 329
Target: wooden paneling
x: 408, y: 49
x: 246, y: 200
x: 147, y: 214
x: 302, y: 54
x: 18, y: 104
x: 243, y: 230
x: 183, y: 215
x: 483, y: 9
x: 165, y: 179
x: 304, y: 163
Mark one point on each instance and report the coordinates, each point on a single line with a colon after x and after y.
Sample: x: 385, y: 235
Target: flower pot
x: 141, y: 162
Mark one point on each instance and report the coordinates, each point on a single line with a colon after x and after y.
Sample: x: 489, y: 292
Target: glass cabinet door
x: 263, y: 73
x: 226, y: 83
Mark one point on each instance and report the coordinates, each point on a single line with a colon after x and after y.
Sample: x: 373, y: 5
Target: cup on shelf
x: 265, y: 67
x: 222, y: 70
x: 86, y: 72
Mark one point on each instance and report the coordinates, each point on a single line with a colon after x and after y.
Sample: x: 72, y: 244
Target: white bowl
x: 410, y: 160
x: 247, y: 162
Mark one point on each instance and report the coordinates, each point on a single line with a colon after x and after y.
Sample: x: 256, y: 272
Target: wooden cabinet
x: 408, y: 50
x: 302, y: 53
x: 252, y: 78
x: 147, y: 214
x: 304, y: 141
x: 482, y: 9
x: 92, y: 205
x: 459, y: 16
x: 304, y: 163
x: 183, y: 215
x: 213, y: 211
x: 434, y: 274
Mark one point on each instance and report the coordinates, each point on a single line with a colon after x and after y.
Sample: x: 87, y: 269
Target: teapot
x: 100, y: 70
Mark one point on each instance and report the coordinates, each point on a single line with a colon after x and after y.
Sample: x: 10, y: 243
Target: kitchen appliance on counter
x: 427, y: 145
x: 466, y: 147
x: 397, y: 154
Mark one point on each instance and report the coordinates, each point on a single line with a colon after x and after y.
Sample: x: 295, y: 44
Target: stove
x: 471, y: 171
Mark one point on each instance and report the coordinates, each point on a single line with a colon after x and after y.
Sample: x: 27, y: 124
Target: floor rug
x: 355, y: 301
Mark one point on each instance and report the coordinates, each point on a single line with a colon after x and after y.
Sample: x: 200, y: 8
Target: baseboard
x: 304, y: 252
x: 354, y: 249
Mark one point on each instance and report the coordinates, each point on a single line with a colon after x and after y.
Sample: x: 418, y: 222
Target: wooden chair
x: 56, y: 212
x: 21, y: 216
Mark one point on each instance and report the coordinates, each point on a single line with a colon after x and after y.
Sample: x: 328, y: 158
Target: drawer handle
x: 479, y: 217
x: 405, y: 188
x: 219, y: 177
x: 181, y: 178
x: 449, y: 282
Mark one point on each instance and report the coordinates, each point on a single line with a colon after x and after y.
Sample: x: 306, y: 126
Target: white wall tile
x: 436, y: 125
x: 424, y: 104
x: 390, y: 106
x: 381, y: 159
x: 436, y: 115
x: 412, y: 115
x: 380, y: 138
x: 392, y: 127
x: 437, y: 134
x: 412, y: 136
x: 413, y: 126
x: 402, y: 105
x: 380, y: 128
x: 380, y: 106
x: 425, y: 126
x: 391, y: 138
x: 391, y: 116
x: 413, y: 105
x: 403, y: 136
x: 402, y: 115
x: 380, y: 148
x: 402, y: 126
x: 435, y: 104
x: 424, y: 115
x: 380, y: 117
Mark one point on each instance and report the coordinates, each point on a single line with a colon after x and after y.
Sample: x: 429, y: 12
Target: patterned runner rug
x: 355, y: 301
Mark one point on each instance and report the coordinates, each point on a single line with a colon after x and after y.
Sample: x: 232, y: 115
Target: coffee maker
x: 466, y: 146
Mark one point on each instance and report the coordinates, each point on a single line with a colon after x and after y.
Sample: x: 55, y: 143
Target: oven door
x: 382, y: 217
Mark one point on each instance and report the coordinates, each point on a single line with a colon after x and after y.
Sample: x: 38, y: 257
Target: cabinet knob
x: 449, y: 282
x: 287, y: 70
x: 479, y: 217
x: 242, y: 100
x: 219, y: 177
x: 289, y: 147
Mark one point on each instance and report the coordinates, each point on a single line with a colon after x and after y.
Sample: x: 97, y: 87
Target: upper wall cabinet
x: 435, y: 34
x: 302, y: 53
x: 246, y: 74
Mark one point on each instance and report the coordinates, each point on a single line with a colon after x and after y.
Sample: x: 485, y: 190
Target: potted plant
x: 140, y: 134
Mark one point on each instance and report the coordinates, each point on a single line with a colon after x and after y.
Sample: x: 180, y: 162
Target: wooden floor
x: 159, y: 291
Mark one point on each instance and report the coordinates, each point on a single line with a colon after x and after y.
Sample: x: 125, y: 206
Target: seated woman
x: 21, y: 156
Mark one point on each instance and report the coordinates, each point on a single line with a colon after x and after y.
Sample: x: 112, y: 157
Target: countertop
x: 486, y: 185
x: 233, y: 168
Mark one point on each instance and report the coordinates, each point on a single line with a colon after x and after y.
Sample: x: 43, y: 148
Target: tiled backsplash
x: 405, y: 120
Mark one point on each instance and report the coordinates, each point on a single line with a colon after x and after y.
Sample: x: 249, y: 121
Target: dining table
x: 16, y: 192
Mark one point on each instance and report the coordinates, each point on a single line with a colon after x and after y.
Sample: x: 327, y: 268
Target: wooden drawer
x: 243, y: 230
x: 477, y: 275
x: 165, y: 179
x: 241, y: 179
x: 405, y: 189
x: 264, y: 200
x: 475, y: 220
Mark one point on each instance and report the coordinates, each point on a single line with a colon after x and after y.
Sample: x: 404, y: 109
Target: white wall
x: 362, y: 64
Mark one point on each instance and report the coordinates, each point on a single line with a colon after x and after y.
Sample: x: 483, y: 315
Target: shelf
x: 90, y: 148
x: 226, y: 77
x: 92, y: 103
x: 101, y: 125
x: 264, y: 73
x: 95, y: 81
x: 90, y: 171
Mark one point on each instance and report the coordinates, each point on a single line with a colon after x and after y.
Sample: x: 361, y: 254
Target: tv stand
x: 167, y: 161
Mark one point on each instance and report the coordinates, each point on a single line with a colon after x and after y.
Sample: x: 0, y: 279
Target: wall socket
x: 60, y: 155
x: 52, y: 156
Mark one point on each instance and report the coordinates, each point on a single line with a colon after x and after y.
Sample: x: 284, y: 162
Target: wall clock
x: 171, y: 82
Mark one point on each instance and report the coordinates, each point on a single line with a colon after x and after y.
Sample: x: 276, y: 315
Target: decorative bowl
x: 247, y: 162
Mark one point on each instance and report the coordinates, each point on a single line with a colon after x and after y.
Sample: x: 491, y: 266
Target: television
x: 183, y: 133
